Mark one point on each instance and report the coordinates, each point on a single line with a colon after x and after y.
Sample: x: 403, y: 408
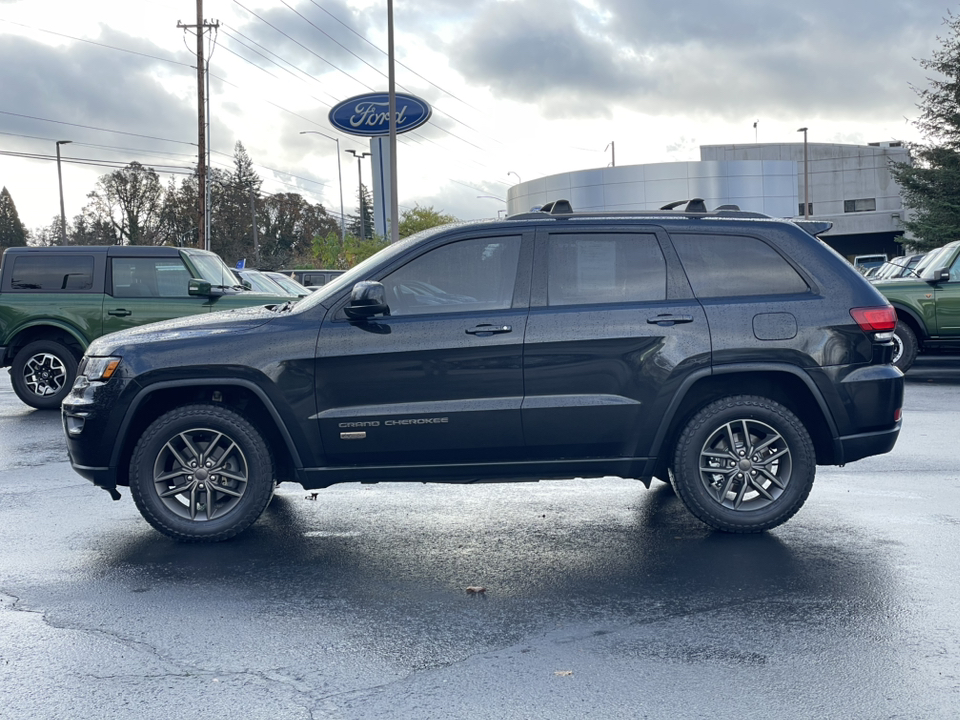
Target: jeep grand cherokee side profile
x: 724, y: 352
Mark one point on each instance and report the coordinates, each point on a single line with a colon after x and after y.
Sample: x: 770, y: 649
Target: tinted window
x: 52, y: 272
x: 730, y: 265
x: 604, y: 268
x: 150, y: 277
x: 468, y: 275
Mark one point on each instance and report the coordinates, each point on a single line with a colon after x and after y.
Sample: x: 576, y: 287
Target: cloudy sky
x: 520, y: 88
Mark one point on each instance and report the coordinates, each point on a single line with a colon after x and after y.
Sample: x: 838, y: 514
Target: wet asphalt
x: 602, y: 599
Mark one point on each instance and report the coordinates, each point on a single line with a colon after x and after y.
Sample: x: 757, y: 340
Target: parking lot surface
x: 601, y: 599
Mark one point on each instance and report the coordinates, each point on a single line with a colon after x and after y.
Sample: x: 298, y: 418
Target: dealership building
x: 849, y: 185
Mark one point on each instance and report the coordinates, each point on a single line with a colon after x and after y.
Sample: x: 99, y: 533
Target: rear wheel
x: 905, y: 346
x: 201, y: 473
x: 744, y: 464
x: 42, y: 373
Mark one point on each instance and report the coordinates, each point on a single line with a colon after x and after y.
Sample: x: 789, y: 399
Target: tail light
x: 881, y: 319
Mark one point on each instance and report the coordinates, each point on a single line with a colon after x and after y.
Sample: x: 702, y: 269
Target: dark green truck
x: 55, y: 301
x: 927, y: 304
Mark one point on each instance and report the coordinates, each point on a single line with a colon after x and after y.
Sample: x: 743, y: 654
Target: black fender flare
x: 684, y: 389
x: 152, y: 388
x: 918, y: 325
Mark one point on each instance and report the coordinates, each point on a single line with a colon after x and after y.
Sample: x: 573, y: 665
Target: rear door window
x: 594, y: 268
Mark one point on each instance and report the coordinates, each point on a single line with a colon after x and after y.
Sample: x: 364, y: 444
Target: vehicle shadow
x: 934, y: 369
x: 541, y: 562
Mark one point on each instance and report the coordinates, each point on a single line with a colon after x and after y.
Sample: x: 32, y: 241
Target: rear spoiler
x: 814, y: 227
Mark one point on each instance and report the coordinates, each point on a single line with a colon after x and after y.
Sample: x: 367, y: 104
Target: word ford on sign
x: 369, y: 114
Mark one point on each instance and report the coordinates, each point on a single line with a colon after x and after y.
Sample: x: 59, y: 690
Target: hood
x: 215, y: 323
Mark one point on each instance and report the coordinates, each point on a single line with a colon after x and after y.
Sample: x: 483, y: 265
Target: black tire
x: 185, y: 453
x: 905, y: 346
x: 744, y: 464
x: 42, y: 373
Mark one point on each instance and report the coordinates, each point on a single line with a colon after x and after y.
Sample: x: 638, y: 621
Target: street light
x: 511, y: 172
x: 343, y: 223
x: 359, y: 157
x: 611, y: 146
x: 806, y: 176
x: 63, y: 215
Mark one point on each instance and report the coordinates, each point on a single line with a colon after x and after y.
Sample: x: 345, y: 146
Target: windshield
x: 211, y: 268
x: 288, y: 284
x: 935, y: 260
x: 261, y: 283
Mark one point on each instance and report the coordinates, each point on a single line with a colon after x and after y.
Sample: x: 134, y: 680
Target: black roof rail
x: 557, y: 207
x: 695, y: 207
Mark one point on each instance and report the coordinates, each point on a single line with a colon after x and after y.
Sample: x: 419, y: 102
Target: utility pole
x: 806, y: 176
x: 613, y: 153
x: 392, y: 108
x: 202, y: 118
x: 63, y: 215
x: 253, y: 219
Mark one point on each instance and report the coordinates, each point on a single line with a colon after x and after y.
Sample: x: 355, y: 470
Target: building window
x: 860, y: 205
x: 809, y: 209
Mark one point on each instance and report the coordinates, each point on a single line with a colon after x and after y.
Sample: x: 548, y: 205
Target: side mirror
x: 939, y: 276
x: 246, y: 285
x: 367, y: 299
x: 198, y: 287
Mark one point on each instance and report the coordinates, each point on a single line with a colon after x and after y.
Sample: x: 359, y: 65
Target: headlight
x: 100, y: 369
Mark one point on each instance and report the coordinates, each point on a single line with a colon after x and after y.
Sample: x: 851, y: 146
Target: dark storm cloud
x: 83, y: 84
x: 315, y: 42
x: 723, y: 58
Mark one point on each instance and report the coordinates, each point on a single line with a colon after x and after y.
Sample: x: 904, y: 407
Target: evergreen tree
x: 365, y: 229
x: 234, y: 201
x: 931, y: 183
x: 12, y: 233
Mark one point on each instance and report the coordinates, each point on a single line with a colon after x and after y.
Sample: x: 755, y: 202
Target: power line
x: 90, y: 127
x: 406, y: 67
x: 165, y: 169
x: 299, y: 44
x: 91, y: 42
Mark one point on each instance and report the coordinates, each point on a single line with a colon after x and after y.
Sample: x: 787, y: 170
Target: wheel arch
x: 62, y: 333
x: 911, y: 318
x: 787, y: 385
x: 243, y: 396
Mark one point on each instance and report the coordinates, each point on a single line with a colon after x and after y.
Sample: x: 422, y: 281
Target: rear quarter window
x: 52, y: 273
x: 736, y: 266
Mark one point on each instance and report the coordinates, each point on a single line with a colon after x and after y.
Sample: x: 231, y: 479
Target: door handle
x: 487, y: 329
x: 119, y: 312
x: 666, y: 320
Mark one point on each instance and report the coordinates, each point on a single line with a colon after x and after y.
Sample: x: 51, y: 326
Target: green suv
x: 55, y: 301
x: 927, y: 304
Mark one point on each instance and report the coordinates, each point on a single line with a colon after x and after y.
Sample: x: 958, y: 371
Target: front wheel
x: 744, y: 464
x: 42, y: 373
x: 201, y: 473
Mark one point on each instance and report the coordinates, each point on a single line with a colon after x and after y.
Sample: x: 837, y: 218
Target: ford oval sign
x: 369, y: 115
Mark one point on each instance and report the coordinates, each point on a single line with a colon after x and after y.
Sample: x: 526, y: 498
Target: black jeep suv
x: 724, y: 352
